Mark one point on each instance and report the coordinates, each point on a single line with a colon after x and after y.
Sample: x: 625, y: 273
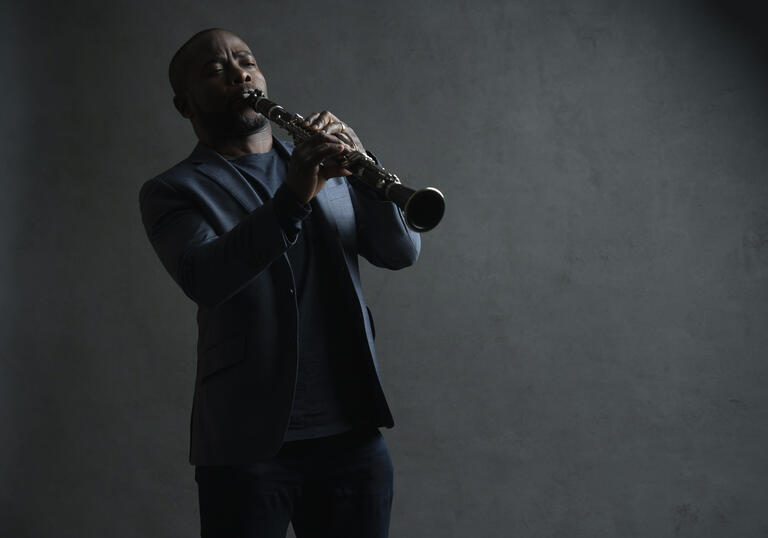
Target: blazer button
x: 291, y: 291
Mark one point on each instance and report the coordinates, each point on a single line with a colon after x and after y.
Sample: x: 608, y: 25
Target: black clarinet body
x: 423, y: 208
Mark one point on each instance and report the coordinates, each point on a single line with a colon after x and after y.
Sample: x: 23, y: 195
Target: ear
x: 181, y: 102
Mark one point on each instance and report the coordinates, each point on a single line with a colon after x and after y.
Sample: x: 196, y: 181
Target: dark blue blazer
x: 224, y: 247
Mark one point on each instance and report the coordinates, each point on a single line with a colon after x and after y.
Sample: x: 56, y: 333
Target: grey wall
x: 579, y: 352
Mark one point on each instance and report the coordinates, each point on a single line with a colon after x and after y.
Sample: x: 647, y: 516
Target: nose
x: 240, y: 76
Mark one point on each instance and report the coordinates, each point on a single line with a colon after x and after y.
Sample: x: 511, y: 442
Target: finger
x: 346, y: 139
x: 319, y: 138
x: 332, y: 160
x: 341, y: 132
x: 323, y: 119
x: 335, y: 138
x: 332, y: 167
x: 323, y: 152
x: 332, y: 170
x: 334, y: 127
x: 304, y: 148
x: 312, y: 117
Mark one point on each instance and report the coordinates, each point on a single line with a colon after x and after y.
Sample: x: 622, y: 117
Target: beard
x: 235, y: 121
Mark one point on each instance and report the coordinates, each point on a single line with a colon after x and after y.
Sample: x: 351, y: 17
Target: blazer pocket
x: 221, y: 355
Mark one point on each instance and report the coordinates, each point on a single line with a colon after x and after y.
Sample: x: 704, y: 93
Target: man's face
x: 219, y: 67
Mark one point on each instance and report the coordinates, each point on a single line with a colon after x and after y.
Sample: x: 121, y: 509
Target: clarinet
x: 421, y: 208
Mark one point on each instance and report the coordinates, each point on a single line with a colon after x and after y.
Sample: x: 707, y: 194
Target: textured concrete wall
x: 580, y: 352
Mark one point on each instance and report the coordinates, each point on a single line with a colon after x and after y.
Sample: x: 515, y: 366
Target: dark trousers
x: 338, y: 486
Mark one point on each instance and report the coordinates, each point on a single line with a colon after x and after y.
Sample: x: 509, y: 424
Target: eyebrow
x: 238, y: 54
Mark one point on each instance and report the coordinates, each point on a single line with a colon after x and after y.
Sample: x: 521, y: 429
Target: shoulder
x: 177, y: 177
x: 178, y: 173
x: 187, y: 170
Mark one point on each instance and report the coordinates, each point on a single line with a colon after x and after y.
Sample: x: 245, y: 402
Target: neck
x: 229, y: 148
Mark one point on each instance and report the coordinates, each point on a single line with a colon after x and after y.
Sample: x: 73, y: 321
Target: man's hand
x: 307, y: 171
x: 327, y: 123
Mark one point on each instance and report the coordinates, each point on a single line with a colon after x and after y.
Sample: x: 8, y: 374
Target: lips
x: 245, y: 93
x: 238, y: 97
x: 248, y: 93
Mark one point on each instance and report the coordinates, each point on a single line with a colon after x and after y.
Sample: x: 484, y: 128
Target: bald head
x: 179, y: 66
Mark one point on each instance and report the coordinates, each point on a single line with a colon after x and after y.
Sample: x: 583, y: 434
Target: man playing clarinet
x: 264, y: 237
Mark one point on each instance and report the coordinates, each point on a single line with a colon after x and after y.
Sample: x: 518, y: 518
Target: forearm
x: 214, y: 271
x: 383, y: 237
x: 210, y: 268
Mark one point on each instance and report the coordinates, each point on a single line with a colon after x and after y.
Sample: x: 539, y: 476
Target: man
x: 265, y: 238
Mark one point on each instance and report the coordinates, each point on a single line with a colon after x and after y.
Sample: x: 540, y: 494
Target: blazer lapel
x: 216, y: 167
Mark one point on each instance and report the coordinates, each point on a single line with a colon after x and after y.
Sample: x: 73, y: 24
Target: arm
x: 208, y: 267
x: 382, y: 235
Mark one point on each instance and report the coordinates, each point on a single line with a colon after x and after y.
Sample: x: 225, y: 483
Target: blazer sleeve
x: 209, y: 268
x: 383, y: 238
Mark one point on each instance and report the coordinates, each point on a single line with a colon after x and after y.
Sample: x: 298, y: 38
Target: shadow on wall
x: 746, y: 19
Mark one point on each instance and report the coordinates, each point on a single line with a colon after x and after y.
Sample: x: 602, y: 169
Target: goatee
x: 233, y: 124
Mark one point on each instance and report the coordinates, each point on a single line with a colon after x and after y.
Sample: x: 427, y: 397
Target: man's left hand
x: 326, y: 122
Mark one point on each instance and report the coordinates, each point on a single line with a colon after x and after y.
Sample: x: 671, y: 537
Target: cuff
x: 290, y: 211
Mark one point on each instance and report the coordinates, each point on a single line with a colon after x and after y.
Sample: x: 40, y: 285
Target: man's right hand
x: 307, y: 172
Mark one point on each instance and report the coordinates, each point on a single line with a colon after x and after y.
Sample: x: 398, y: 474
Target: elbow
x: 415, y: 248
x: 185, y: 278
x: 406, y: 255
x: 206, y: 283
x: 194, y: 287
x: 410, y: 258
